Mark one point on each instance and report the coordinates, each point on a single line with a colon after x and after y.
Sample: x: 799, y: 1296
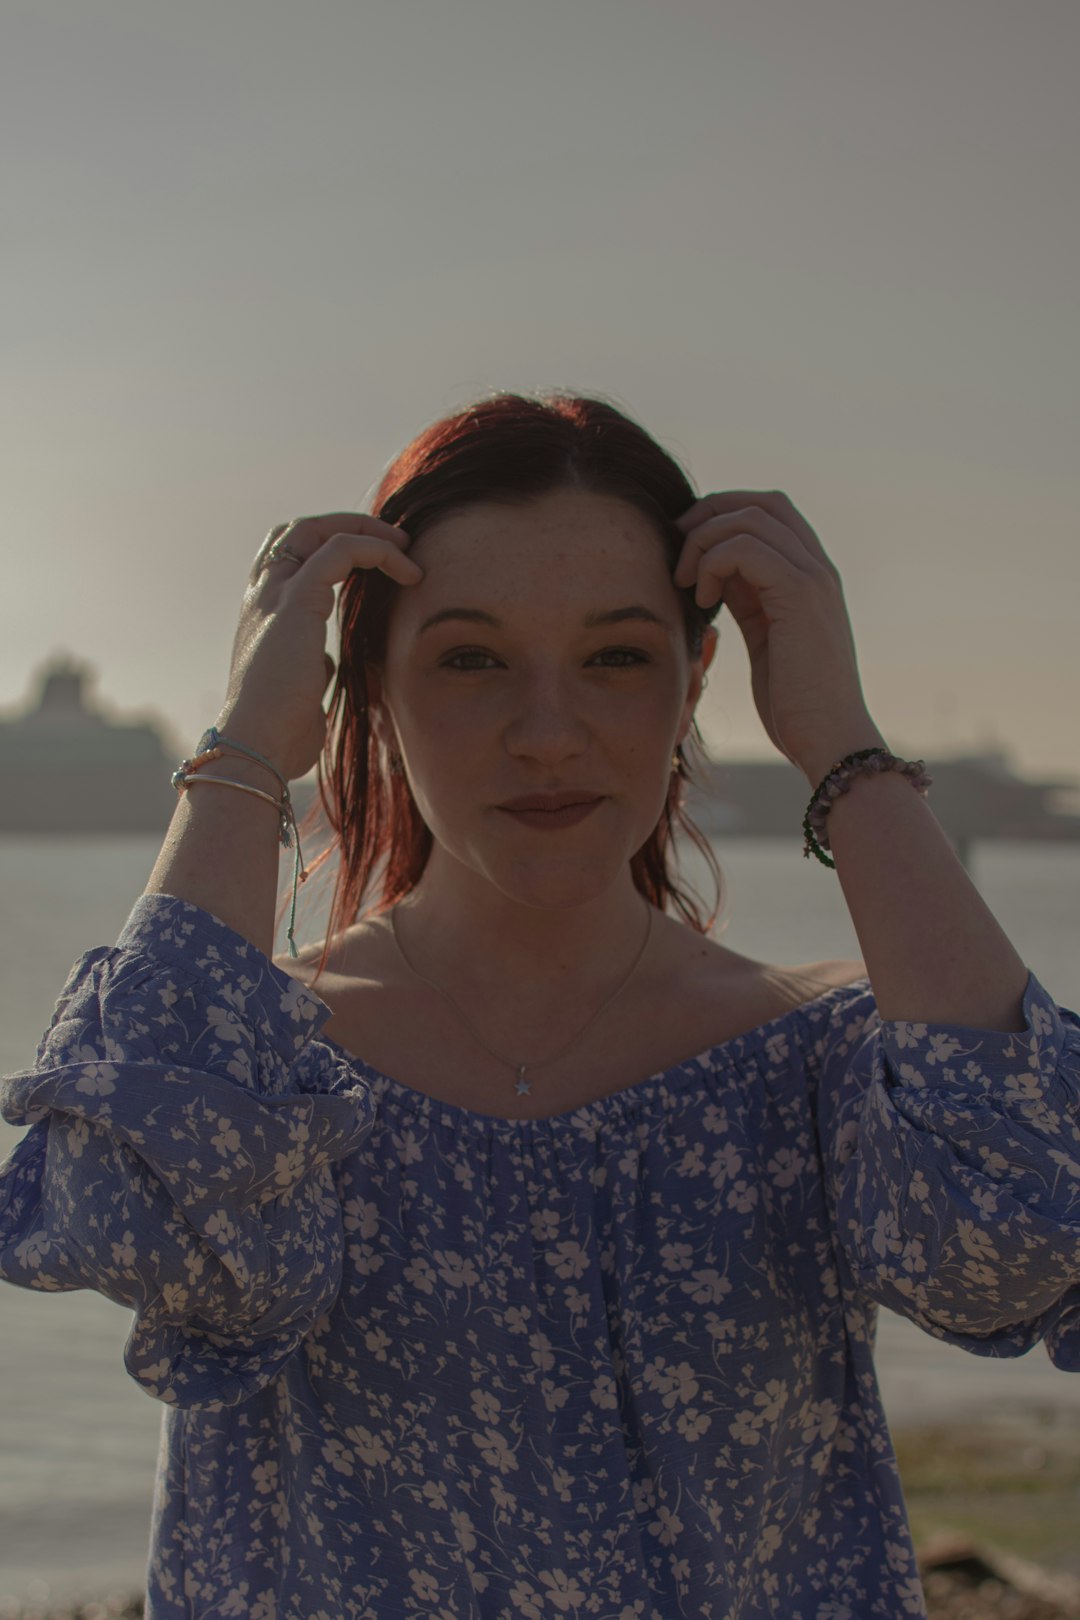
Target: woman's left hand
x: 755, y: 550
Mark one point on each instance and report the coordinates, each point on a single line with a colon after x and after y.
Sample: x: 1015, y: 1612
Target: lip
x: 551, y: 801
x: 550, y: 820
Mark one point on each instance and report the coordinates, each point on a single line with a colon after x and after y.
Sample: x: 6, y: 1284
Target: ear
x: 373, y: 681
x: 380, y: 722
x: 709, y: 642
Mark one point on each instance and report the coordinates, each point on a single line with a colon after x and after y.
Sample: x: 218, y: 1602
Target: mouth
x: 566, y: 815
x: 552, y: 801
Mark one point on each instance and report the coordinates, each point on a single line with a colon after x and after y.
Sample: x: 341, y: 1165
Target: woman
x: 469, y: 1289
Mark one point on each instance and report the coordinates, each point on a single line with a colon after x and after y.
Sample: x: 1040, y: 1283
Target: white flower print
x: 1023, y: 1088
x: 820, y: 1421
x: 368, y: 1446
x: 555, y: 1396
x: 425, y: 1586
x: 264, y: 1477
x: 563, y: 1592
x: 377, y: 1343
x: 672, y: 1383
x: 604, y: 1393
x: 976, y: 1240
x: 742, y: 1197
x: 667, y: 1526
x: 707, y: 1287
x: 542, y: 1353
x: 227, y: 1139
x: 725, y: 1165
x: 125, y: 1253
x: 455, y: 1269
x: 486, y: 1406
x: 495, y: 1449
x: 32, y: 1250
x: 786, y: 1166
x: 769, y: 1543
x: 692, y: 1424
x: 225, y: 1023
x: 527, y: 1601
x: 544, y: 1224
x: 421, y: 1274
x: 97, y: 1080
x: 772, y: 1399
x: 568, y: 1260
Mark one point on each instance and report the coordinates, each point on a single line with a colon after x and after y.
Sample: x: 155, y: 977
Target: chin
x: 554, y: 885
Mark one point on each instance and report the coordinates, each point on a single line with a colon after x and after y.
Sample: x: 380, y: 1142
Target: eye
x: 625, y: 652
x: 632, y: 653
x: 452, y: 661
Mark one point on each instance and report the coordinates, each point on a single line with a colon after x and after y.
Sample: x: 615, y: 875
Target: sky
x: 824, y: 246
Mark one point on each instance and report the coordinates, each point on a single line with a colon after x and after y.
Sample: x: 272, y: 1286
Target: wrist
x: 238, y: 741
x: 817, y: 763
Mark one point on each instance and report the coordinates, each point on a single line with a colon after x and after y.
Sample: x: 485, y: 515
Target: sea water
x: 78, y: 1437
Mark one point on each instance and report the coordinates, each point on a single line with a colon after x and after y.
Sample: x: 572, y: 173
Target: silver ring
x: 280, y: 552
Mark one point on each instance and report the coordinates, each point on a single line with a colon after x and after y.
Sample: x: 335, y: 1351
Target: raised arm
x: 180, y: 1157
x: 933, y: 949
x: 222, y: 848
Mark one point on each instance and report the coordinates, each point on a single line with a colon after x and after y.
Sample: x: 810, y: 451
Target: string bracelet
x: 864, y: 762
x: 212, y: 745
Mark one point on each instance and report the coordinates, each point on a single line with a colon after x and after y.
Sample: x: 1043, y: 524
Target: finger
x: 340, y: 554
x: 723, y: 503
x: 751, y: 560
x: 309, y: 538
x: 306, y: 534
x: 751, y: 522
x: 260, y: 557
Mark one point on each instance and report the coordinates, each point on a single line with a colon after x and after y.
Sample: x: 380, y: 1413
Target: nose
x: 547, y: 723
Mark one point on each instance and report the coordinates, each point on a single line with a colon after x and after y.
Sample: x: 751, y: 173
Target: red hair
x: 507, y: 448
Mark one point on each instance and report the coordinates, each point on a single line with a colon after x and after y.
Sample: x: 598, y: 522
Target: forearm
x: 222, y: 852
x: 934, y: 951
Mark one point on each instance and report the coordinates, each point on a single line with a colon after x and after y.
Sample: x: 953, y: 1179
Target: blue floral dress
x: 615, y: 1364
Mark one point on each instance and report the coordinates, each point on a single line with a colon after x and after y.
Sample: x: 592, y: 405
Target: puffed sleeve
x: 174, y: 1163
x: 952, y: 1165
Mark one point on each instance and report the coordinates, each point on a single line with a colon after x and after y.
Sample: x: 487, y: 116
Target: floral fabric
x: 615, y: 1364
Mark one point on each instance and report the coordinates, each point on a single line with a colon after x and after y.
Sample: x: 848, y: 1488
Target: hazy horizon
x: 831, y: 249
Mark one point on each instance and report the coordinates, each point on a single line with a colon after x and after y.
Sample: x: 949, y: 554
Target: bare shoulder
x: 812, y: 979
x: 775, y: 989
x: 354, y: 959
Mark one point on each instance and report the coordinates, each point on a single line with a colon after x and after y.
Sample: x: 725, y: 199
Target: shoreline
x: 992, y: 1504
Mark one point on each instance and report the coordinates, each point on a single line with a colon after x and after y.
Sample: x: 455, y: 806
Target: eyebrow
x: 591, y: 620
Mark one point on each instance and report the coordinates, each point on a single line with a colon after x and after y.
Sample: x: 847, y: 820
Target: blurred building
x: 68, y: 766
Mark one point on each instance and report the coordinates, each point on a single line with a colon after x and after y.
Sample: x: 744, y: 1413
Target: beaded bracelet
x: 865, y: 762
x: 212, y: 745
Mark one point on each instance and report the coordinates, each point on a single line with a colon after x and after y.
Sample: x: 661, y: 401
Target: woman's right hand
x: 280, y: 665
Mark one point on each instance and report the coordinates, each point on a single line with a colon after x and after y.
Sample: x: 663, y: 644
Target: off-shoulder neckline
x: 641, y: 1094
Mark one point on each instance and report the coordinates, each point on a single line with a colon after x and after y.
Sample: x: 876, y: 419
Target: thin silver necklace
x: 523, y: 1088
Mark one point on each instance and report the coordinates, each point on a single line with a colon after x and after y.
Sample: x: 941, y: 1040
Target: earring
x: 676, y: 762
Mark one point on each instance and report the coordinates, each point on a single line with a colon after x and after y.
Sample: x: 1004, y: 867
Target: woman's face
x: 534, y: 698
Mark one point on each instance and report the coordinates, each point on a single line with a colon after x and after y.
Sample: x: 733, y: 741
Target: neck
x: 475, y: 942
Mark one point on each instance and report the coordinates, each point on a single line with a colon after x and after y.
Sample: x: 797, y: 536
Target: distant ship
x: 973, y: 796
x: 67, y: 767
